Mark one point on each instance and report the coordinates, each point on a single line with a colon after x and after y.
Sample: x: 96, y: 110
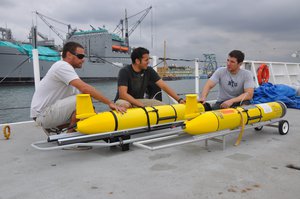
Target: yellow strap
x: 6, y: 131
x: 238, y: 141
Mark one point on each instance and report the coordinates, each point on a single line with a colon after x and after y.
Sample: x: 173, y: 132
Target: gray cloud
x: 7, y: 4
x: 264, y: 30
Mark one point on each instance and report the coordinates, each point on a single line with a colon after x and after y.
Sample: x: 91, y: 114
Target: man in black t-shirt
x: 134, y: 79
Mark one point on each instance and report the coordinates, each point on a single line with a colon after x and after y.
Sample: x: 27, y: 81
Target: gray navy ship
x: 106, y: 52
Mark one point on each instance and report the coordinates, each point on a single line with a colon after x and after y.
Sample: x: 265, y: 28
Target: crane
x: 43, y: 17
x: 134, y: 26
x: 42, y: 36
x: 146, y: 11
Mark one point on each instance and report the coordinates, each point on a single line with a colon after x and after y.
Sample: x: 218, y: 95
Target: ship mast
x: 165, y: 54
x: 126, y: 30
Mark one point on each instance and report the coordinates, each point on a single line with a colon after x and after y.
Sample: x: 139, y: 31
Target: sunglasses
x: 79, y: 56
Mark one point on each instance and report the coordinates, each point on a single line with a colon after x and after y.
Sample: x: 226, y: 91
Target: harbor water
x: 15, y: 100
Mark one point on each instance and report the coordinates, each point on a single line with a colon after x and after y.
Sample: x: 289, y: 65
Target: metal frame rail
x: 67, y: 140
x: 144, y: 140
x: 218, y: 136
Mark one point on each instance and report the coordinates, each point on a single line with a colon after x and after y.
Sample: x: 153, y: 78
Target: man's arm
x: 88, y: 89
x: 247, y: 95
x: 207, y: 87
x: 160, y: 83
x: 125, y: 96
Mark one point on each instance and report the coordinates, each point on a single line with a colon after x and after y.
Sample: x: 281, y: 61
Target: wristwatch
x: 179, y: 100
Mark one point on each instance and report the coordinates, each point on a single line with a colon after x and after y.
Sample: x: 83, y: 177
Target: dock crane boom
x: 128, y: 33
x: 146, y: 11
x: 43, y: 17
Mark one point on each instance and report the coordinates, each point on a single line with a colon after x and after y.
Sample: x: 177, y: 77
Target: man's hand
x: 202, y: 100
x: 226, y: 104
x: 117, y: 108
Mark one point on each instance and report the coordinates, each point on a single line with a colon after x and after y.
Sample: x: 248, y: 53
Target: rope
x: 238, y: 141
x: 158, y: 63
x: 14, y: 54
x: 5, y: 109
x: 107, y: 61
x: 162, y: 60
x: 109, y: 57
x: 103, y: 59
x: 241, y: 103
x: 20, y: 54
x: 156, y: 94
x: 176, y: 59
x: 18, y: 66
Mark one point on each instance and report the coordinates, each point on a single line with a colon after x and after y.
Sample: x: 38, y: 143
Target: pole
x: 36, y: 67
x: 154, y: 63
x: 165, y: 53
x: 126, y: 30
x: 35, y: 58
x: 197, y: 77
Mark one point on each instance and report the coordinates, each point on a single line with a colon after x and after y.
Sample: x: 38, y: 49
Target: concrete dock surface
x: 265, y: 165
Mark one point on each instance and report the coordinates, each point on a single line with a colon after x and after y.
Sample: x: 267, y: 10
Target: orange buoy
x: 263, y: 74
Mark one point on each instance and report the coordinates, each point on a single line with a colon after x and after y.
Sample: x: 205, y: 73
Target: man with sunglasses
x: 54, y: 101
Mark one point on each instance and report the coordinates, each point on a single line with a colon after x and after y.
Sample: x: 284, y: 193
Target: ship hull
x: 13, y: 72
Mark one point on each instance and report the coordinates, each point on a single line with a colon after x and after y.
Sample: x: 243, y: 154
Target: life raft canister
x: 263, y: 74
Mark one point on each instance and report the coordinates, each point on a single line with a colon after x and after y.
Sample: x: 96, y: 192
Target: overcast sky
x: 263, y: 29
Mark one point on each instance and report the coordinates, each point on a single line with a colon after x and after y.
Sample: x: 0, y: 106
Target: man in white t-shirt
x: 54, y: 101
x: 236, y: 85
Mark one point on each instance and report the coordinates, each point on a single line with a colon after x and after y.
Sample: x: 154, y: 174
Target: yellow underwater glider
x: 92, y: 123
x: 194, y: 121
x: 198, y: 119
x: 232, y: 118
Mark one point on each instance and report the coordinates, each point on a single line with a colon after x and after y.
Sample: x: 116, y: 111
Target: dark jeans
x: 216, y: 106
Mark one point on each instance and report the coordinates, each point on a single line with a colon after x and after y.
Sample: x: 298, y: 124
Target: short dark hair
x: 70, y: 47
x: 239, y: 55
x: 138, y: 53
